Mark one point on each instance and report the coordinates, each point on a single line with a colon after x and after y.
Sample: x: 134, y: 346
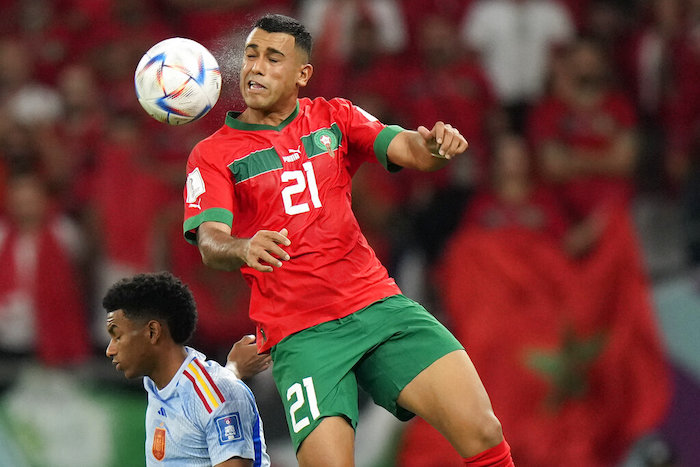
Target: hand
x: 264, y: 247
x: 243, y: 358
x: 443, y: 140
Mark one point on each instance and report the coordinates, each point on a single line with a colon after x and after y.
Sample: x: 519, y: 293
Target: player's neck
x: 168, y: 365
x: 267, y: 117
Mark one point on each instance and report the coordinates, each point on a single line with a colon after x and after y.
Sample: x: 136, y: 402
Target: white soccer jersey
x: 203, y: 417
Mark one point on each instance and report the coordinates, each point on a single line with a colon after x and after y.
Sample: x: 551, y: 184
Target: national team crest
x: 326, y: 139
x: 229, y: 428
x: 158, y: 448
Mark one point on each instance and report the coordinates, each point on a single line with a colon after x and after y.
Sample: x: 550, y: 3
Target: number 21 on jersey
x: 302, y: 179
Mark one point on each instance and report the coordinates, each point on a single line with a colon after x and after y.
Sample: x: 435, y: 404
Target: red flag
x: 568, y: 351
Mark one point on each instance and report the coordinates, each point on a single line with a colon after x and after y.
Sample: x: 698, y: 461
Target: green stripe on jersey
x: 214, y: 214
x: 315, y: 143
x: 255, y: 163
x: 381, y: 145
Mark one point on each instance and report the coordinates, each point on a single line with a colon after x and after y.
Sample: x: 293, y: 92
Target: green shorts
x: 382, y: 347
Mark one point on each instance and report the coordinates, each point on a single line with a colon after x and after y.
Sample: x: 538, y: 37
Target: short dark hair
x: 287, y: 25
x: 160, y: 296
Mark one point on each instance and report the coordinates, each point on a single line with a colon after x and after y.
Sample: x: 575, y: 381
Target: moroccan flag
x: 568, y: 350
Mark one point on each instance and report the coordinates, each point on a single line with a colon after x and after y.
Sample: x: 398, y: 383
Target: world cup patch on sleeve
x: 195, y: 186
x: 229, y: 428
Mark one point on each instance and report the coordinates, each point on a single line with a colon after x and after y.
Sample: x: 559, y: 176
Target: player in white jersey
x: 199, y: 413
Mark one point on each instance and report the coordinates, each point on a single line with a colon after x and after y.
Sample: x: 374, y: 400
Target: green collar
x: 233, y: 122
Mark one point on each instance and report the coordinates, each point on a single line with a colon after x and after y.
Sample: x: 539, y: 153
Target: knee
x: 489, y: 432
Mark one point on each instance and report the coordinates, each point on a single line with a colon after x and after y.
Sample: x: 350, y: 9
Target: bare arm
x: 426, y: 150
x: 220, y: 250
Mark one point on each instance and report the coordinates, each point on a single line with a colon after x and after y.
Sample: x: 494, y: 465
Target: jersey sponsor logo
x: 204, y: 386
x: 195, y: 188
x: 161, y: 412
x: 229, y: 428
x: 158, y: 447
x: 294, y: 155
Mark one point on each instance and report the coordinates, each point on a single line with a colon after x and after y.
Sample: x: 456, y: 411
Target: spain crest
x: 158, y: 448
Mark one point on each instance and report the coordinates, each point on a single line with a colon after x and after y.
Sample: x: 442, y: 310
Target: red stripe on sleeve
x: 211, y: 381
x: 199, y: 393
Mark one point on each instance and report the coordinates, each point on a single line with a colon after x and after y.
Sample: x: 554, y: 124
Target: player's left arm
x: 426, y: 149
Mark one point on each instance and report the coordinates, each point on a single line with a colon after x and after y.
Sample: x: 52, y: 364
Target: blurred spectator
x: 515, y: 39
x: 127, y: 192
x: 445, y: 83
x: 584, y: 134
x: 42, y: 306
x: 338, y: 25
x: 513, y: 198
x: 648, y: 71
x: 23, y: 97
x: 209, y: 21
x: 415, y: 12
x: 82, y: 130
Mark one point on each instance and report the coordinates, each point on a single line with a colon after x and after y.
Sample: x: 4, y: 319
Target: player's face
x: 128, y: 345
x: 273, y: 70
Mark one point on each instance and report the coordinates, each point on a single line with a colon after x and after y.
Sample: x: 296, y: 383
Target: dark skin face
x: 130, y: 347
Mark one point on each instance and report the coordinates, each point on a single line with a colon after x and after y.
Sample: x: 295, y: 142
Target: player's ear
x: 305, y: 74
x: 155, y: 330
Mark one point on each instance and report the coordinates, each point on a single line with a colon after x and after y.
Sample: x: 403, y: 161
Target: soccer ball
x: 177, y: 81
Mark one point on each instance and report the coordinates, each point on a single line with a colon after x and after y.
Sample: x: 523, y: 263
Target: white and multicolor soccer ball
x: 177, y: 81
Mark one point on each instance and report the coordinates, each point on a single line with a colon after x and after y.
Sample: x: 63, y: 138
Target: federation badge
x: 229, y: 428
x: 326, y: 139
x: 158, y: 448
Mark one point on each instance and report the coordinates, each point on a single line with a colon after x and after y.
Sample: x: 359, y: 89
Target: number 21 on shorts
x: 296, y: 391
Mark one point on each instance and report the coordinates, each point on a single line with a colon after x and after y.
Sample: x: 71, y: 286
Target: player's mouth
x: 255, y: 86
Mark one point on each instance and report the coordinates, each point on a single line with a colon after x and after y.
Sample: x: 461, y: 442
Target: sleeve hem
x: 381, y: 145
x: 214, y: 215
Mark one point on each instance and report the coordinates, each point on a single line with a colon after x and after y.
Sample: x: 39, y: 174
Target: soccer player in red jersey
x: 270, y: 193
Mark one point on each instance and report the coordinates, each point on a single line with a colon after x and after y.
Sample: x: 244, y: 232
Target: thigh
x: 451, y: 397
x: 412, y: 339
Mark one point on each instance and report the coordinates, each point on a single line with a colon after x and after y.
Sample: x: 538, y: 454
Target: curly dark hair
x: 287, y: 25
x: 160, y: 296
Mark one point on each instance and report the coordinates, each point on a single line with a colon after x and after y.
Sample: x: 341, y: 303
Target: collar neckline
x: 233, y: 122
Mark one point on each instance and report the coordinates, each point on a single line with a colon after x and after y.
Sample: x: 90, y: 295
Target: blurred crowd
x: 572, y: 109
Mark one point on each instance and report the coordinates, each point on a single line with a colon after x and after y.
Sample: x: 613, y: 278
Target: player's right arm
x: 221, y: 250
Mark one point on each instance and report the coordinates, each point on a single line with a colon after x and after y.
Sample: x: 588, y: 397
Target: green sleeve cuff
x: 214, y: 214
x: 381, y: 145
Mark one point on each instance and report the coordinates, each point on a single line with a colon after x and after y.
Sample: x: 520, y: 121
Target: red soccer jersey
x: 296, y: 176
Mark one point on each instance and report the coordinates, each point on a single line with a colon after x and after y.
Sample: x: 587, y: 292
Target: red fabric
x: 514, y: 300
x: 62, y: 331
x: 497, y: 456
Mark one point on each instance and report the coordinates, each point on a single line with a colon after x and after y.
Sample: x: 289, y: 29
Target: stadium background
x: 105, y: 183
